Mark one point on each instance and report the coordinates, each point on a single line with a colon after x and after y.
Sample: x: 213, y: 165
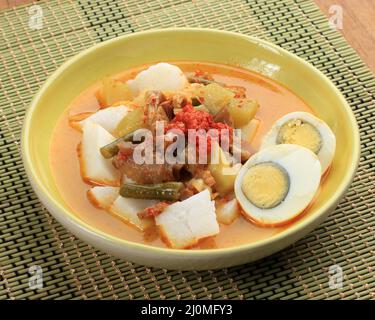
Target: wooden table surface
x: 358, y: 23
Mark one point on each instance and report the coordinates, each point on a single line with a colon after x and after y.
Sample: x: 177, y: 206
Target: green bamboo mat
x: 74, y: 270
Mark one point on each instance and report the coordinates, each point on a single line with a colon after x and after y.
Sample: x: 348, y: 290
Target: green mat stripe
x: 73, y: 269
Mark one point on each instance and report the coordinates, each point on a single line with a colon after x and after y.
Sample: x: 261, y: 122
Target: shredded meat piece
x: 154, y: 111
x: 146, y: 173
x: 153, y: 211
x: 187, y: 192
x: 154, y: 97
x: 201, y: 171
x: 125, y: 151
x: 207, y: 177
x: 168, y: 109
x: 160, y: 115
x: 177, y: 101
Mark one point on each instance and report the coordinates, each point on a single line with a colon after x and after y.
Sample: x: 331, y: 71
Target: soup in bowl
x: 189, y: 159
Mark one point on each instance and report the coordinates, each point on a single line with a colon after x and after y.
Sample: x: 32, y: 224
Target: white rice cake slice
x: 162, y: 76
x: 183, y: 224
x: 94, y: 167
x: 107, y: 118
x: 227, y: 212
x: 127, y: 208
x: 102, y: 197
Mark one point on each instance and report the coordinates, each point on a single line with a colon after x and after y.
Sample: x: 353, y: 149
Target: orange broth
x: 274, y: 100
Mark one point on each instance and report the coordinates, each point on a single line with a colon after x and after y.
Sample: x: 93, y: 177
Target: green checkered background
x: 29, y: 235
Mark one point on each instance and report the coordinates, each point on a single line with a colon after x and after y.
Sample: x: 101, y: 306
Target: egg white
x: 303, y: 168
x: 328, y: 147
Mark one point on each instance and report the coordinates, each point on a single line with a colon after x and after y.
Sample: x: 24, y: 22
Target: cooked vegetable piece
x: 201, y: 108
x: 249, y: 130
x: 194, y: 186
x: 195, y: 101
x: 224, y: 116
x: 112, y: 91
x: 195, y: 79
x: 111, y: 149
x: 197, y: 184
x: 242, y: 111
x: 139, y: 100
x: 222, y: 171
x: 246, y: 150
x: 183, y: 224
x: 196, y: 91
x: 216, y: 97
x: 132, y: 121
x: 162, y: 191
x: 227, y: 211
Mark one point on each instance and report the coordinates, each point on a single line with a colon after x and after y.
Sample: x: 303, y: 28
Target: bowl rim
x: 294, y: 229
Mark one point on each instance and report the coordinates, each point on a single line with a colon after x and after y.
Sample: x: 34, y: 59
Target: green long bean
x: 162, y: 191
x: 111, y: 149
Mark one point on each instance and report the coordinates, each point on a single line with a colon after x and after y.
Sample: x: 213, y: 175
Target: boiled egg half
x: 277, y: 184
x: 304, y: 129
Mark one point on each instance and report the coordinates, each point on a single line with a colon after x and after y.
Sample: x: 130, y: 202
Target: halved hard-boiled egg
x: 277, y: 184
x: 306, y: 130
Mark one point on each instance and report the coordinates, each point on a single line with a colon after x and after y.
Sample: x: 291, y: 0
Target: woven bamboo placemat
x: 74, y: 270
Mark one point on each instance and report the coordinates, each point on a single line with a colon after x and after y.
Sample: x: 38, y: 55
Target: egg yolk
x: 265, y: 185
x: 297, y: 131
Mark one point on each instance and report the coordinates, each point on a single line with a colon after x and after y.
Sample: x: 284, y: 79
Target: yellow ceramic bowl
x: 206, y: 45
